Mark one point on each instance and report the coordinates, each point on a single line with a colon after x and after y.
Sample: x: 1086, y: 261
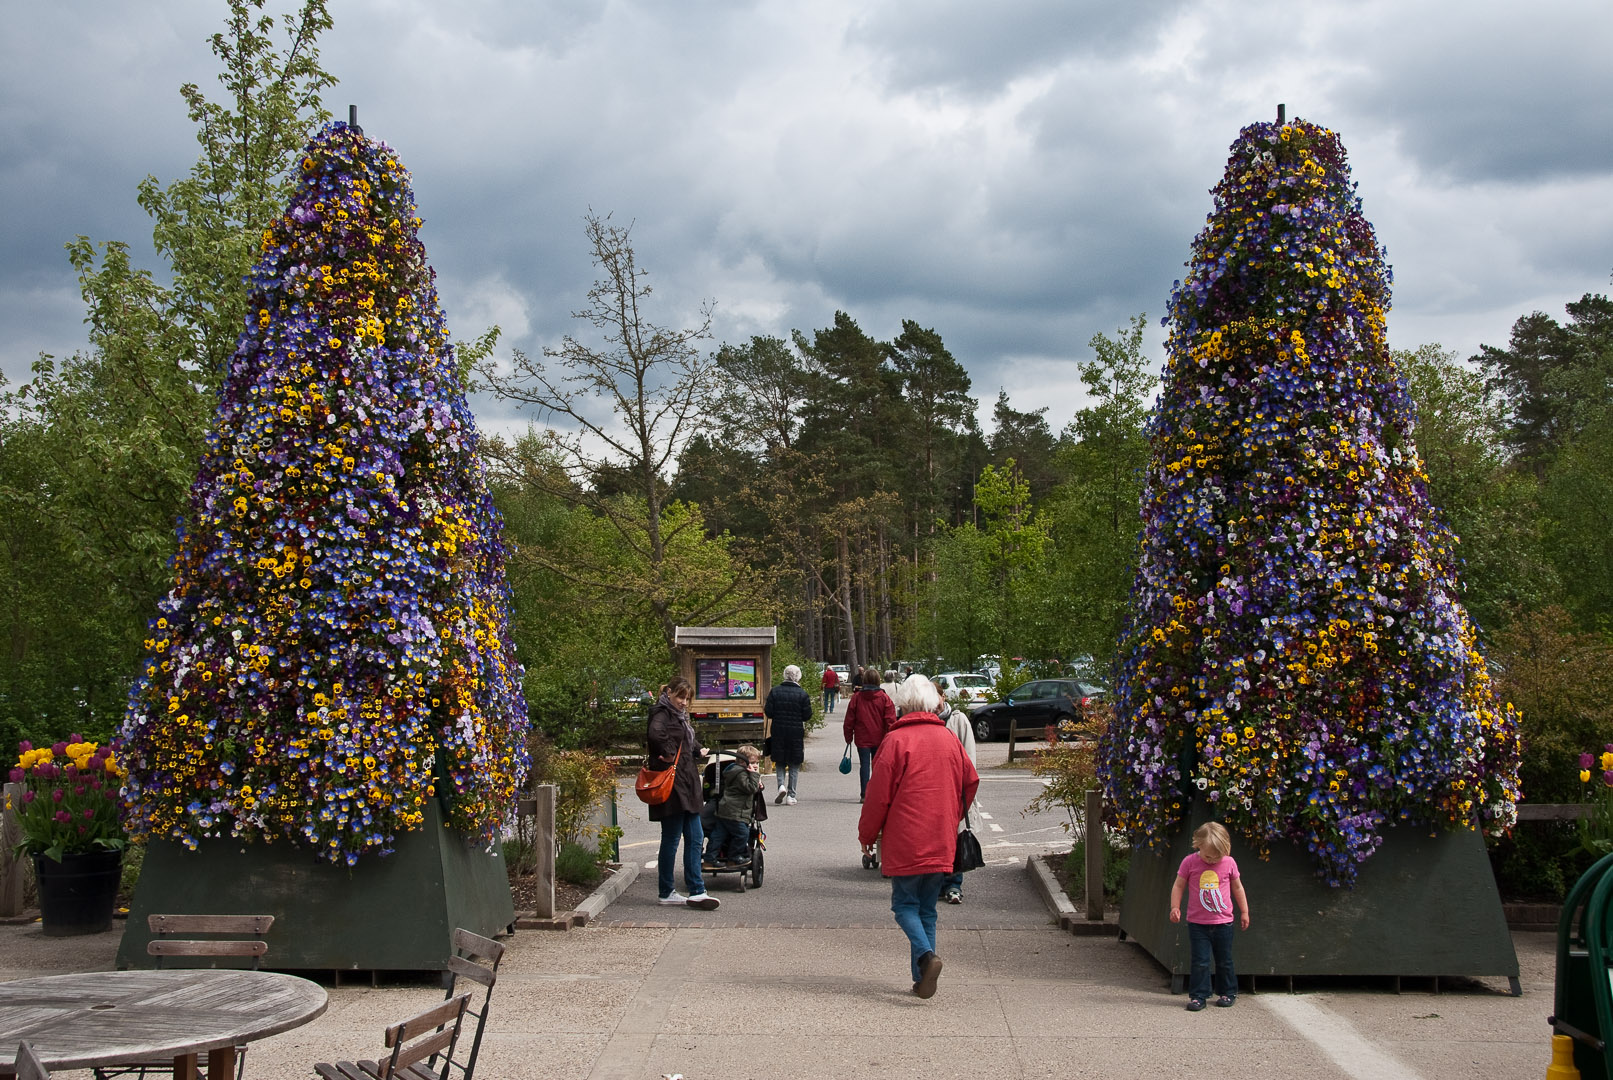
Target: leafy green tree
x: 1578, y: 499
x: 1094, y: 512
x: 1551, y: 373
x: 116, y: 431
x: 941, y: 411
x: 1025, y: 437
x: 1491, y: 507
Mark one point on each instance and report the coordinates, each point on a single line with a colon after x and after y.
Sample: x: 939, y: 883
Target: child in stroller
x: 734, y: 838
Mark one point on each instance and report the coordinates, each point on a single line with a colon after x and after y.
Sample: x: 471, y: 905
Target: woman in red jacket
x: 921, y: 785
x: 868, y: 717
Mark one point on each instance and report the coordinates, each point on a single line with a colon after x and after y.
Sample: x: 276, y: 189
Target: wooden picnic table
x: 104, y: 1018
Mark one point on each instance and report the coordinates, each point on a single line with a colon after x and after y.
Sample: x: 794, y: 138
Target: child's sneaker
x: 1225, y: 1001
x: 1195, y: 1004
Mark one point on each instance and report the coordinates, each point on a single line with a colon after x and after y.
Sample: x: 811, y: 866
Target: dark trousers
x: 1206, y: 942
x: 865, y: 767
x: 731, y: 834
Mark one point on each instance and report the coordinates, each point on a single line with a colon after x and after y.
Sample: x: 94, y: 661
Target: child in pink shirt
x: 1209, y: 877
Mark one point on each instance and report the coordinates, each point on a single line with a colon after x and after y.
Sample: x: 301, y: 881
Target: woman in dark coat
x: 671, y: 739
x: 789, y: 707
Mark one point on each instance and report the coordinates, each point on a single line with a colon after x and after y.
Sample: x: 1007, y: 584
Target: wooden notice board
x: 731, y: 670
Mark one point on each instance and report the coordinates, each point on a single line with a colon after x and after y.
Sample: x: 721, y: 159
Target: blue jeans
x: 865, y: 766
x: 680, y: 825
x: 829, y: 694
x: 953, y: 881
x: 913, y: 900
x: 794, y: 772
x: 1204, y: 942
x: 732, y: 834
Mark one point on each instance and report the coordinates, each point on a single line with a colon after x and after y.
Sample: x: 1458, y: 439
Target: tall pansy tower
x: 1297, y: 663
x: 333, y: 664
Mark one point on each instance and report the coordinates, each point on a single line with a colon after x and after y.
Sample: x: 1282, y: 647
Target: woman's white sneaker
x: 675, y: 898
x: 703, y: 902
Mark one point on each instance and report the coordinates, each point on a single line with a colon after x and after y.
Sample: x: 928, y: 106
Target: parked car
x: 965, y: 689
x: 845, y: 676
x: 1033, y: 706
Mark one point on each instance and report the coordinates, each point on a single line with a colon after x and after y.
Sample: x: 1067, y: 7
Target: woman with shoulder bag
x: 673, y: 744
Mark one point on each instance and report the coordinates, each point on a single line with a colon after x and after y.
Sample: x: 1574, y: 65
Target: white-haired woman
x: 789, y: 707
x: 957, y: 722
x: 921, y: 784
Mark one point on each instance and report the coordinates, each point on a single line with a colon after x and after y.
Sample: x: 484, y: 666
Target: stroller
x: 711, y: 789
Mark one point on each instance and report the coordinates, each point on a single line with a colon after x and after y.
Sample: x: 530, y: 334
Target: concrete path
x: 807, y: 977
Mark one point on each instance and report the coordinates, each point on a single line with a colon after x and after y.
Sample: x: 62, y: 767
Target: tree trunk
x: 843, y: 596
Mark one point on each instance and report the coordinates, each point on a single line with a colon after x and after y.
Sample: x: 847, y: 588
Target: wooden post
x: 1095, y: 846
x: 12, y: 868
x: 1013, y: 735
x: 543, y: 850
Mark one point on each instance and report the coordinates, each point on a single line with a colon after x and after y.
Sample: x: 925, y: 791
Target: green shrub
x: 520, y: 857
x: 577, y: 865
x: 1561, y: 681
x: 1116, y: 859
x: 1539, y: 861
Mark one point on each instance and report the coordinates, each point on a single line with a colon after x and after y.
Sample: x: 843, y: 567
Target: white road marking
x: 651, y: 864
x: 1336, y: 1038
x: 996, y: 827
x: 985, y: 815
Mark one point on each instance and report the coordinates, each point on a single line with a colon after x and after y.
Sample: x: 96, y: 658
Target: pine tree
x: 334, y: 650
x: 1296, y: 653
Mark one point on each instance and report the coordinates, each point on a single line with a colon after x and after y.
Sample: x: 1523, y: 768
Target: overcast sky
x: 1018, y: 175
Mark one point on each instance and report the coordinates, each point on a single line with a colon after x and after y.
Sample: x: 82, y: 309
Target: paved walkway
x: 825, y: 992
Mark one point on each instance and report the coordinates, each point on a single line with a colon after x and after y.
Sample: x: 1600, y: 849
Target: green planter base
x: 1423, y: 906
x: 396, y: 913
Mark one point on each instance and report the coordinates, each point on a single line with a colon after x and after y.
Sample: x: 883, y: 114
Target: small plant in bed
x: 577, y: 864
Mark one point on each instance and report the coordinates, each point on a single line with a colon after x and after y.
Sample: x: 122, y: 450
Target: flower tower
x: 1297, y: 663
x: 332, y: 669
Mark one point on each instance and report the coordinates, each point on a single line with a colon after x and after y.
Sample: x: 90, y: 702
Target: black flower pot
x: 77, y: 894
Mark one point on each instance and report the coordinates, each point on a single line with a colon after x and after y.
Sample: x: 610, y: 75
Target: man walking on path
x: 922, y: 782
x: 831, y: 688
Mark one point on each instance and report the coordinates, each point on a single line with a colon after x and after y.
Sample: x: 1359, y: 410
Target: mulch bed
x: 524, y: 892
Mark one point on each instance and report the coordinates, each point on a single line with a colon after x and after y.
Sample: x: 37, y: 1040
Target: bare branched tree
x: 657, y: 386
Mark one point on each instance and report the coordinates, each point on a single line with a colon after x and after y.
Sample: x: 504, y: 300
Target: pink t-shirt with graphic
x: 1209, y: 888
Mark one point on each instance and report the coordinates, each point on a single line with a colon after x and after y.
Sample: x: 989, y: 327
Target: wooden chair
x: 416, y: 1044
x: 28, y: 1065
x: 245, y: 941
x: 475, y: 958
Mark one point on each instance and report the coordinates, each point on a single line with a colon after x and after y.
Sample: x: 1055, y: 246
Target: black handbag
x: 968, y: 855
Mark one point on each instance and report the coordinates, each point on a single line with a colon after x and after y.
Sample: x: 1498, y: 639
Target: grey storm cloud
x: 1018, y: 176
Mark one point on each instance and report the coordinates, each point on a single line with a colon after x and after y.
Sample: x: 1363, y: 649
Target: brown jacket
x: 664, y: 733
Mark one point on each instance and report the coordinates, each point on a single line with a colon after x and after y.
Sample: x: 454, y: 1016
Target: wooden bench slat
x: 447, y: 1012
x: 472, y: 971
x: 477, y: 945
x: 210, y: 924
x: 186, y: 947
x: 424, y: 1048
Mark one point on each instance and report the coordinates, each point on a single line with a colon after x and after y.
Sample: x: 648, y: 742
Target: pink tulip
x: 63, y: 816
x: 56, y: 795
x: 1607, y: 777
x: 1585, y: 760
x: 17, y: 776
x: 27, y: 797
x: 25, y: 746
